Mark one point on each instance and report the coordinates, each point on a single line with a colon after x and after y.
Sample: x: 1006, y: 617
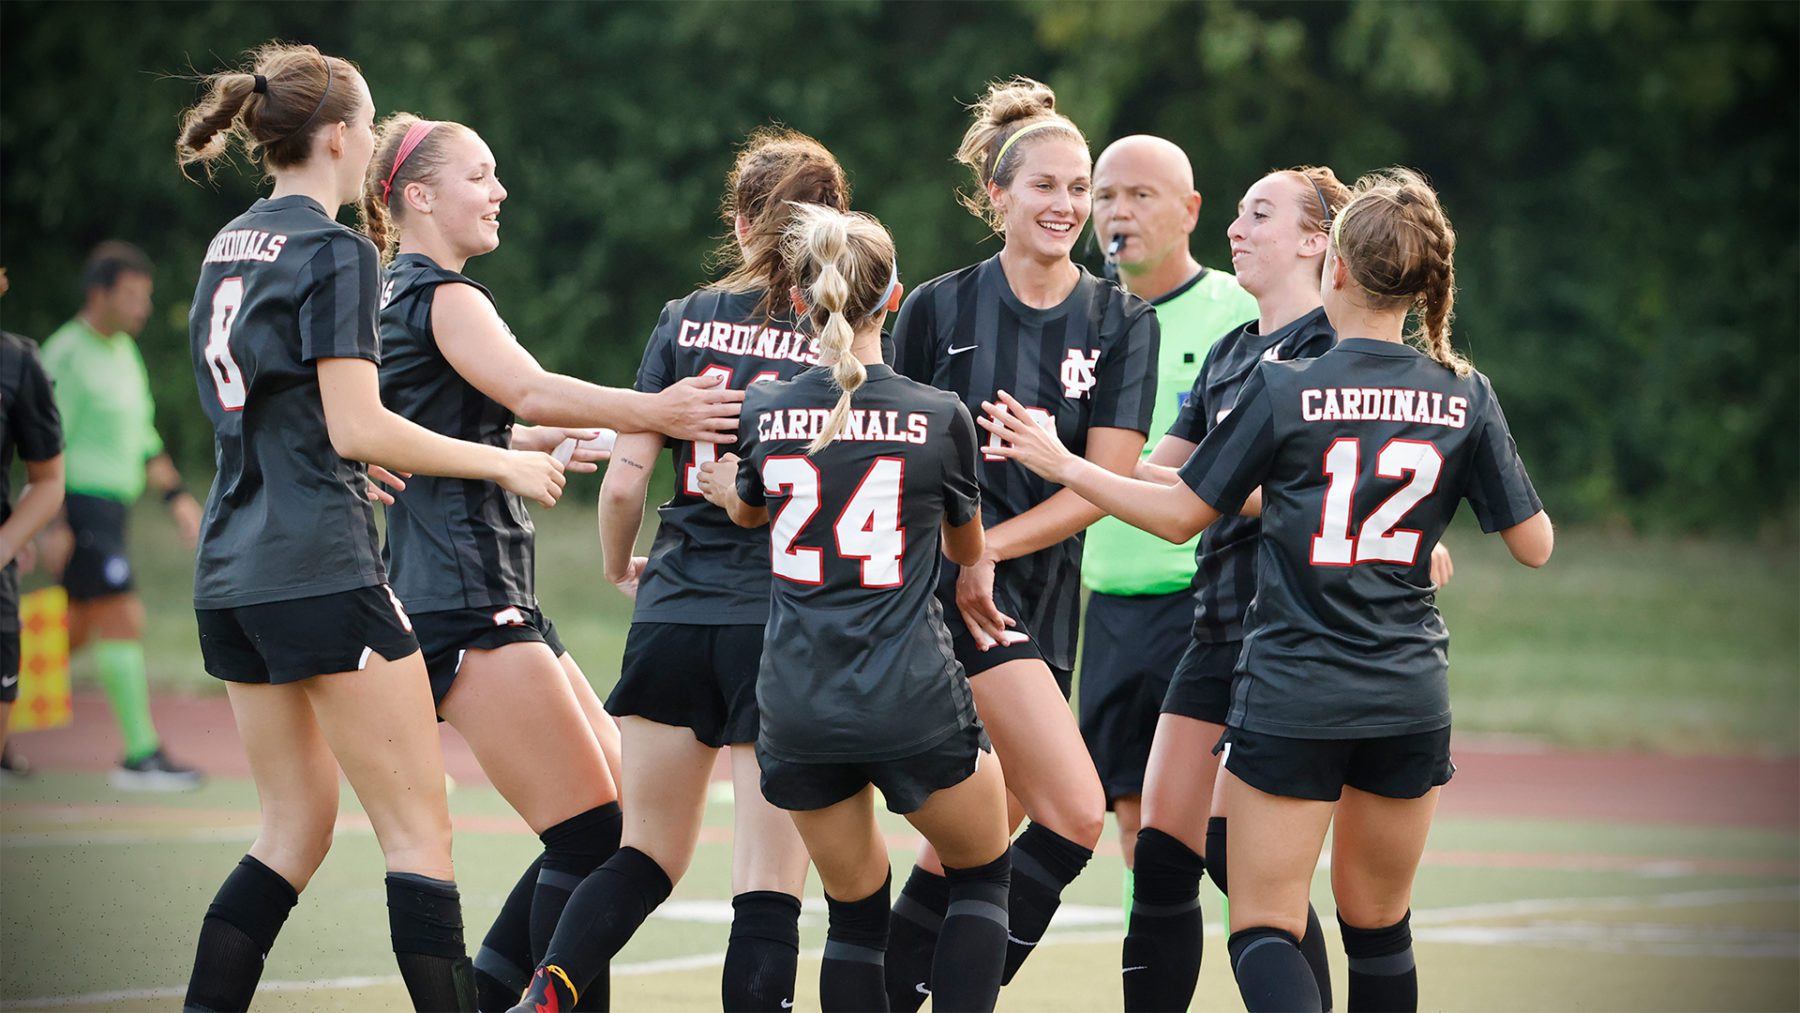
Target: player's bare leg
x: 1375, y: 852
x: 1274, y: 848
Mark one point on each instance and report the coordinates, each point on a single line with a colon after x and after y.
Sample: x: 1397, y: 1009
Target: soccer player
x: 1341, y: 714
x: 1278, y: 245
x: 112, y: 452
x: 460, y: 553
x: 1082, y: 353
x: 859, y: 687
x: 29, y: 427
x: 294, y: 610
x: 1140, y: 614
x: 687, y: 684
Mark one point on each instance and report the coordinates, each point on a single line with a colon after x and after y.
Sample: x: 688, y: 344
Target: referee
x: 113, y: 451
x: 1140, y: 615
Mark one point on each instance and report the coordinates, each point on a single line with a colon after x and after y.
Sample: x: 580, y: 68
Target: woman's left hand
x: 1025, y: 440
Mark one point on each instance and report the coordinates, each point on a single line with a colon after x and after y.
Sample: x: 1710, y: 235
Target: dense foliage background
x: 1625, y: 177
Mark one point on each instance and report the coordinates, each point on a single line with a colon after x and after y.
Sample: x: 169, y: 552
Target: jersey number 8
x: 228, y: 379
x: 1377, y: 542
x: 868, y: 528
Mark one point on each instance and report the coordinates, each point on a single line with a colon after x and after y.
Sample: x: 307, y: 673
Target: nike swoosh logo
x: 787, y: 1004
x: 921, y: 989
x: 953, y: 350
x: 9, y: 683
x: 1140, y: 967
x: 1022, y: 942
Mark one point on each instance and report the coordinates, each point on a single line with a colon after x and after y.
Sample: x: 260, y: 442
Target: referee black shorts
x: 1392, y: 766
x: 1129, y: 648
x: 97, y: 565
x: 286, y: 641
x: 702, y: 678
x: 975, y: 660
x: 9, y: 666
x: 1201, y: 687
x: 446, y: 635
x: 905, y: 784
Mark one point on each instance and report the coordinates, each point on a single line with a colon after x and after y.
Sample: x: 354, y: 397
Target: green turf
x: 105, y: 892
x: 1682, y: 646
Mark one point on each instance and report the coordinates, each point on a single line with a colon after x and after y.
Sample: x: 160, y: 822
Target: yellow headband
x: 1021, y: 132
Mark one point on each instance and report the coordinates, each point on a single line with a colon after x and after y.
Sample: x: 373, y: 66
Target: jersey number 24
x: 868, y: 528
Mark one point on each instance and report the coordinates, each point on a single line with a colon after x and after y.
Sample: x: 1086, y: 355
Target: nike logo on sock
x: 953, y: 350
x: 787, y: 1004
x: 1022, y: 942
x: 1140, y: 967
x: 921, y: 989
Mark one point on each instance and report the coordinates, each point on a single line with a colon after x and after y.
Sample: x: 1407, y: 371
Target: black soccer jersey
x: 29, y: 427
x: 1089, y: 361
x: 282, y: 286
x: 452, y: 543
x: 1363, y: 455
x: 704, y: 569
x: 857, y: 664
x: 1225, y: 577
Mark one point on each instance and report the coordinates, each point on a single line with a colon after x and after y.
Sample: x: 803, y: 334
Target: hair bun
x: 1016, y: 100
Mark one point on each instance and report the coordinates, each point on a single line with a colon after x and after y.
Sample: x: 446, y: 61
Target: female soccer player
x: 1277, y: 247
x: 292, y: 601
x: 1082, y: 354
x: 859, y: 686
x: 460, y: 552
x: 687, y: 684
x: 1342, y: 706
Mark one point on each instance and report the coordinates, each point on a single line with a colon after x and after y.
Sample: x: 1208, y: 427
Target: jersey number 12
x: 1377, y: 542
x: 868, y: 528
x: 228, y: 379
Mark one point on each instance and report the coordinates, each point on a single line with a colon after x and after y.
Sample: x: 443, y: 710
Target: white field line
x: 1661, y: 940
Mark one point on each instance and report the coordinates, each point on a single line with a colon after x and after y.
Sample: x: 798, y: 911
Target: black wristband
x: 173, y: 493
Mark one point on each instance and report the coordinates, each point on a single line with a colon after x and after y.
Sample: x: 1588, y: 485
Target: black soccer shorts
x: 1201, y: 687
x: 286, y: 641
x: 1392, y: 766
x: 702, y: 678
x: 905, y: 783
x: 9, y: 666
x: 445, y: 635
x: 975, y: 660
x: 98, y: 565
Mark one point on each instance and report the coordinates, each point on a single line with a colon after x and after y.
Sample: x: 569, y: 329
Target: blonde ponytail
x: 842, y: 263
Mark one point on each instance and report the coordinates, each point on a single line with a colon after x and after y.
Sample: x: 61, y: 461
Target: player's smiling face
x: 1270, y: 238
x: 1048, y: 200
x: 466, y: 198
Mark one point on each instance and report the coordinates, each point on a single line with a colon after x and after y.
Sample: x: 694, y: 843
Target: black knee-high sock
x: 971, y: 948
x: 503, y: 963
x: 1272, y: 976
x: 240, y: 927
x: 572, y: 849
x: 1160, y: 962
x: 1043, y: 863
x: 851, y: 979
x: 1312, y: 945
x: 1382, y: 973
x: 603, y: 913
x: 763, y: 957
x: 912, y: 943
x: 425, y: 920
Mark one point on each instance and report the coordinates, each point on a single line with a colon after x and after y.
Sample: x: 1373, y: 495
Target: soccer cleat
x: 550, y: 992
x: 155, y: 772
x: 12, y: 765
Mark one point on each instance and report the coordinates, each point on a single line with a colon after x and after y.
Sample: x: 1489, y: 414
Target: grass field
x: 1669, y: 646
x: 1683, y: 646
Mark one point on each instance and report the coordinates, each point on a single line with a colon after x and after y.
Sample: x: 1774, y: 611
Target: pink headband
x: 415, y: 134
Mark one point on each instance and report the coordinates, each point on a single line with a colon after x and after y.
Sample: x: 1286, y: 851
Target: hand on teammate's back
x: 699, y: 409
x: 1441, y: 568
x: 718, y: 481
x: 975, y: 599
x: 378, y: 477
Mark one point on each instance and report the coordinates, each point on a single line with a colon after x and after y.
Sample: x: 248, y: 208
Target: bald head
x: 1150, y: 156
x: 1144, y: 194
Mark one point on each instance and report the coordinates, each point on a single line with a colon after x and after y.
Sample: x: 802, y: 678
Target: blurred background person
x: 113, y: 452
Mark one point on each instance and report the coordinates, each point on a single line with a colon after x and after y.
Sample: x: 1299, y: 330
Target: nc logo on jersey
x: 509, y: 616
x: 387, y: 293
x: 1078, y: 372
